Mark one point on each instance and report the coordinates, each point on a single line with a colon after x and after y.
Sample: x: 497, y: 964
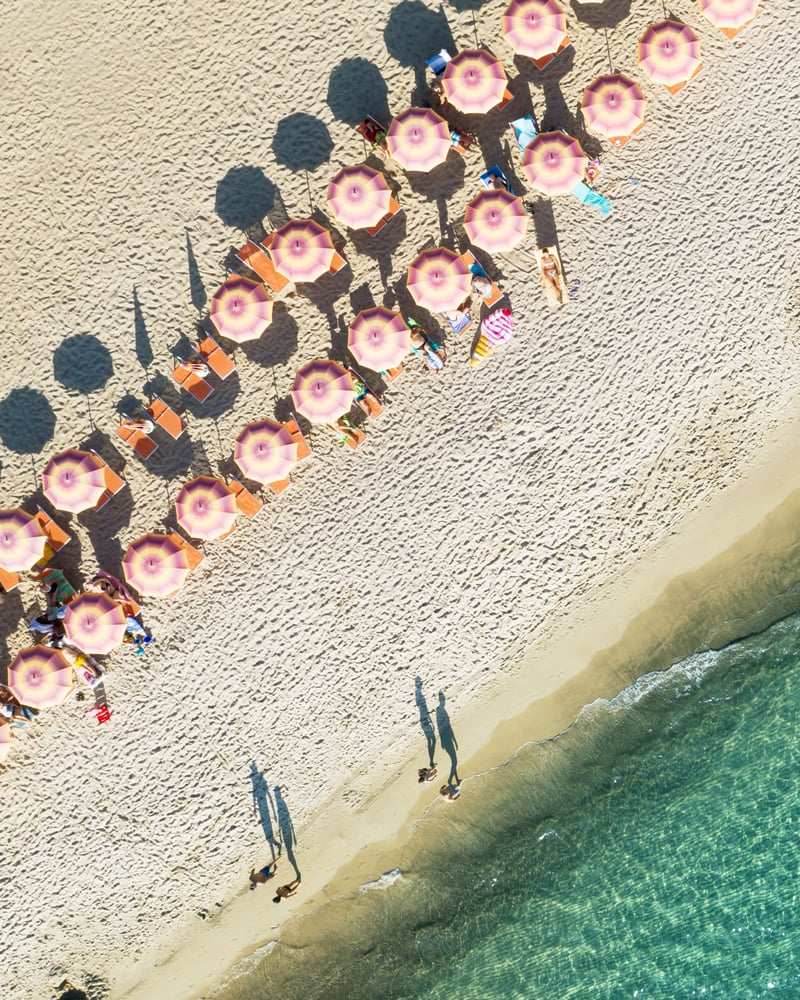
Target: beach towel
x: 497, y: 327
x: 525, y: 131
x: 592, y: 198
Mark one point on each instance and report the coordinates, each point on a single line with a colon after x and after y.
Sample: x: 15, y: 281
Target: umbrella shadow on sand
x: 414, y: 33
x: 302, y: 142
x: 27, y: 421
x: 286, y: 827
x: 82, y: 363
x: 103, y: 525
x: 357, y: 89
x: 264, y: 809
x: 245, y: 197
x: 278, y: 344
x: 608, y: 14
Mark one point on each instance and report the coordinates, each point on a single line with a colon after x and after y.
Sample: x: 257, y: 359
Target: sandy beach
x: 531, y: 534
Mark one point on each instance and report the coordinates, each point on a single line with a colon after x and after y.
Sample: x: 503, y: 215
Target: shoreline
x: 729, y: 560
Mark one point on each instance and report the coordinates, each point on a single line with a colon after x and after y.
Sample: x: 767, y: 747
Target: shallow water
x: 649, y: 851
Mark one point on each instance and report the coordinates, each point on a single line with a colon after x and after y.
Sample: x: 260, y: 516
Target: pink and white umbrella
x: 730, y: 15
x: 439, y: 280
x: 74, y: 480
x: 241, y: 309
x: 496, y: 220
x: 474, y: 81
x: 302, y: 250
x: 95, y: 623
x: 206, y: 508
x: 379, y: 338
x: 323, y: 391
x: 265, y: 451
x: 614, y: 106
x: 669, y: 52
x: 359, y: 196
x: 418, y: 139
x: 40, y: 677
x: 22, y: 540
x: 155, y: 565
x: 536, y: 28
x: 554, y: 163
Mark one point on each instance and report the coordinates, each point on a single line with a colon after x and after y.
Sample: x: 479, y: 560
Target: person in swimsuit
x: 551, y: 273
x: 434, y: 358
x: 426, y: 774
x: 262, y: 875
x: 449, y: 793
x: 284, y: 891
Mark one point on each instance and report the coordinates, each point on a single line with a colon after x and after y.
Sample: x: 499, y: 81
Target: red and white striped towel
x: 497, y: 327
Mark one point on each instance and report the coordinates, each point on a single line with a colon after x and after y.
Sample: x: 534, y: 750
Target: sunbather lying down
x: 551, y: 274
x: 433, y: 355
x: 146, y: 426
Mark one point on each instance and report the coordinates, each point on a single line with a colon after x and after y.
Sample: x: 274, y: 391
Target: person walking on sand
x: 426, y: 774
x: 285, y: 891
x: 449, y: 793
x: 262, y: 875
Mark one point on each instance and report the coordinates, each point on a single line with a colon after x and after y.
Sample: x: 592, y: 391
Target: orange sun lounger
x: 472, y: 265
x: 193, y: 556
x: 303, y: 450
x: 193, y: 383
x: 257, y: 259
x: 367, y: 401
x: 57, y: 538
x: 394, y: 208
x: 167, y: 419
x: 246, y: 502
x: 114, y: 483
x: 217, y: 360
x: 8, y: 580
x: 139, y: 440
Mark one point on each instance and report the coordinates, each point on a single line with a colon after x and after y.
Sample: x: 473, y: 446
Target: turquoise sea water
x: 650, y: 851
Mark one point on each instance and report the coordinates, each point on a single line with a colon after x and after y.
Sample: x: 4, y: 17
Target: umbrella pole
x: 475, y: 29
x: 310, y: 197
x: 608, y: 50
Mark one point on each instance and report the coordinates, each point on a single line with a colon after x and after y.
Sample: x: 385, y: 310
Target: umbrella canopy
x: 241, y: 309
x: 496, y: 220
x: 474, y: 81
x: 669, y: 52
x: 359, y: 196
x: 206, y: 508
x: 535, y: 28
x: 323, y: 391
x: 22, y: 540
x: 265, y: 451
x: 155, y: 565
x: 439, y: 280
x: 554, y: 162
x: 95, y: 623
x: 40, y: 677
x: 74, y: 480
x: 302, y: 250
x: 729, y: 15
x: 418, y: 139
x: 379, y: 338
x: 614, y: 106
x: 5, y: 740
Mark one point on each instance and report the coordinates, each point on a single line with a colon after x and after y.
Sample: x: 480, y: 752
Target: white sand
x: 487, y: 507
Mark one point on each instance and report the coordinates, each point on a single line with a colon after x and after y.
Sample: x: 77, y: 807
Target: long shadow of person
x: 448, y: 740
x: 425, y: 720
x: 286, y: 827
x: 262, y: 807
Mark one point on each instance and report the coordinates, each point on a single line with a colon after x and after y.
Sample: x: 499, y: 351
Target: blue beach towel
x: 525, y: 131
x: 585, y: 194
x: 495, y: 171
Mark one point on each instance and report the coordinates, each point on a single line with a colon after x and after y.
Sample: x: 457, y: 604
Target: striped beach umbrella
x: 95, y: 623
x: 614, y: 106
x: 554, y: 163
x: 74, y: 480
x: 323, y: 391
x: 730, y: 16
x: 418, y: 139
x: 241, y: 309
x: 495, y: 220
x: 474, y: 81
x: 359, y: 196
x: 5, y: 740
x: 535, y: 28
x: 669, y: 52
x: 439, y: 280
x: 265, y: 451
x: 22, y: 540
x: 40, y: 677
x: 155, y: 565
x: 302, y: 250
x: 206, y: 508
x: 379, y: 338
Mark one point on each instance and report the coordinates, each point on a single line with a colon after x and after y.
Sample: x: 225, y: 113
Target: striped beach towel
x: 497, y: 327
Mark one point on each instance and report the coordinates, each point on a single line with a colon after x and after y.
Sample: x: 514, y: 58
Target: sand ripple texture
x: 486, y: 505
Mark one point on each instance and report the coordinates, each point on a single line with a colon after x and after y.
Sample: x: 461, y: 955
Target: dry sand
x: 488, y: 510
